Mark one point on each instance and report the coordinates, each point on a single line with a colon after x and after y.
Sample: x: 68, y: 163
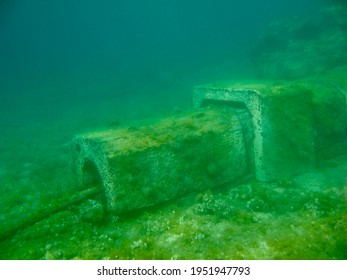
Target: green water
x: 69, y: 68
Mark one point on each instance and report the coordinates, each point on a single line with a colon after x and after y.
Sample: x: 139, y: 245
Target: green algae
x: 291, y: 219
x: 301, y: 217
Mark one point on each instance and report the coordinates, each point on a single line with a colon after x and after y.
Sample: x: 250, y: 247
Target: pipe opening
x: 91, y: 175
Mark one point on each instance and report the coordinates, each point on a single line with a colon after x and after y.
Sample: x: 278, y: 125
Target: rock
x: 302, y: 48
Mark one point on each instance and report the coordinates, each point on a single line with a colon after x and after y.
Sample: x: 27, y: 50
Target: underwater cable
x: 58, y: 207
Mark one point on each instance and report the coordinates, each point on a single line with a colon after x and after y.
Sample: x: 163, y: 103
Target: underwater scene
x: 173, y: 130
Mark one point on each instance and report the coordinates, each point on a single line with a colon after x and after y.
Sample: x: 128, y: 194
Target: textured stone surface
x: 142, y: 166
x: 275, y: 131
x: 282, y: 124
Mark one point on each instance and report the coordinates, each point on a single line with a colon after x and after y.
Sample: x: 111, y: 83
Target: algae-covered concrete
x: 293, y: 123
x: 142, y: 166
x: 273, y: 130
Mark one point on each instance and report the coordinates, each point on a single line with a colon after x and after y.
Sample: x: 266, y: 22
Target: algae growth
x: 299, y: 218
x: 300, y: 215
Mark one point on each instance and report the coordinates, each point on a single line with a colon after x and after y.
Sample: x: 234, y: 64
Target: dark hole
x: 233, y: 104
x: 91, y: 176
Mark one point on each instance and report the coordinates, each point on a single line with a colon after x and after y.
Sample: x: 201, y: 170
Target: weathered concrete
x: 282, y: 124
x: 142, y: 166
x: 274, y: 131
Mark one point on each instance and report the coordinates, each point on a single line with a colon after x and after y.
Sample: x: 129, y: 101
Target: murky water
x: 69, y: 67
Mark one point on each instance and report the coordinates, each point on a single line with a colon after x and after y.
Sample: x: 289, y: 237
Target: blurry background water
x: 60, y: 56
x: 69, y: 66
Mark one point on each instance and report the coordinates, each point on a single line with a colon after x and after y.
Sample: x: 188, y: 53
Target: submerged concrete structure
x: 278, y: 113
x: 142, y: 166
x: 273, y: 131
x: 294, y: 125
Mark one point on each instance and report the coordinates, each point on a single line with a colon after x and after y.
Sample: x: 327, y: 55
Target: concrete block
x: 283, y: 132
x: 145, y: 165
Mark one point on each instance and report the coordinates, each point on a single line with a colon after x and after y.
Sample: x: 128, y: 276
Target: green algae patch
x: 299, y: 218
x: 288, y: 134
x: 181, y: 173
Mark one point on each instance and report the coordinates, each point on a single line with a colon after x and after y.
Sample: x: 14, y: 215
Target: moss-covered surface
x: 162, y: 160
x: 296, y: 218
x: 288, y: 137
x: 302, y: 217
x: 299, y: 218
x: 182, y: 126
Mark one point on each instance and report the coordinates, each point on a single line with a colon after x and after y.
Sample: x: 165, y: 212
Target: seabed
x: 300, y: 214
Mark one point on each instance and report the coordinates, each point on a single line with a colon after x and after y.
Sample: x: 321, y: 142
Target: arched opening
x: 91, y: 175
